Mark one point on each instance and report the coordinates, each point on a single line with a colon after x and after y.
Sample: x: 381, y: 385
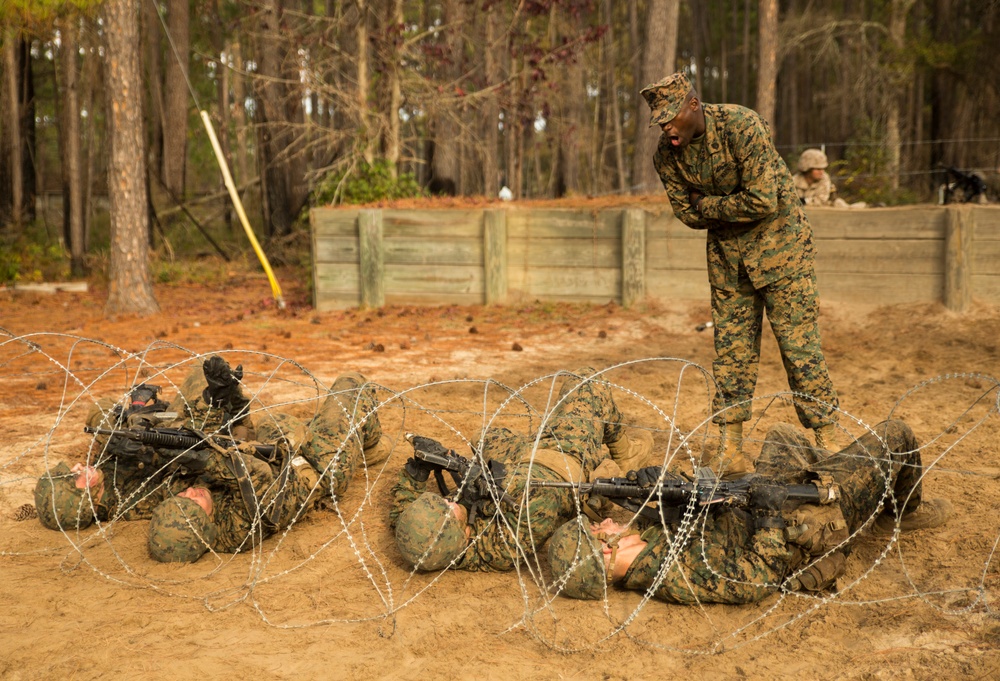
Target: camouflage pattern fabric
x: 729, y: 563
x: 666, y: 97
x: 585, y: 420
x: 792, y: 307
x: 180, y: 531
x: 759, y: 242
x: 59, y: 503
x: 820, y: 193
x: 430, y: 516
x: 726, y: 563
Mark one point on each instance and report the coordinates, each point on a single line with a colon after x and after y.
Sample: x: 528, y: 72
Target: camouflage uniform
x: 820, y: 193
x: 585, y: 420
x: 760, y: 257
x: 131, y: 490
x: 276, y: 495
x: 728, y: 562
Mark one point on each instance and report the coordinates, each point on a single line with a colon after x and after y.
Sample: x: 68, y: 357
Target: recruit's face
x: 686, y: 125
x: 200, y: 496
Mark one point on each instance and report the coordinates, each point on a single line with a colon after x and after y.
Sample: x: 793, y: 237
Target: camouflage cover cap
x: 428, y: 534
x: 812, y: 158
x: 180, y: 531
x: 666, y: 97
x: 60, y: 504
x: 577, y: 562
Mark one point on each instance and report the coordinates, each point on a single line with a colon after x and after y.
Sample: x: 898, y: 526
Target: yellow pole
x: 231, y: 186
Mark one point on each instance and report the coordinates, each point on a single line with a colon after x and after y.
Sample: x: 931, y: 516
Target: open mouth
x: 675, y: 140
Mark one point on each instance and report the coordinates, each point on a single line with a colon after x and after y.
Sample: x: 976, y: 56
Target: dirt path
x: 331, y: 598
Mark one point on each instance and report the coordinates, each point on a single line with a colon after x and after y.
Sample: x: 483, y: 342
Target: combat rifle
x: 672, y: 493
x: 475, y: 485
x: 178, y: 438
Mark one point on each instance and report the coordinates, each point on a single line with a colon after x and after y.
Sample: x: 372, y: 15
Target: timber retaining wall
x: 373, y: 257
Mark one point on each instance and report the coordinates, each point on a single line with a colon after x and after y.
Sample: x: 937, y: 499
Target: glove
x: 223, y: 383
x: 766, y: 500
x: 646, y: 477
x: 417, y: 469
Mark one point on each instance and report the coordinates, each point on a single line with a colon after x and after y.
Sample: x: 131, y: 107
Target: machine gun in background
x: 960, y: 186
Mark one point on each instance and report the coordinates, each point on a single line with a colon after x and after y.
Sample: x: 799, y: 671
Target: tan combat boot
x: 634, y: 450
x: 930, y: 513
x: 728, y: 460
x: 829, y: 437
x: 378, y: 453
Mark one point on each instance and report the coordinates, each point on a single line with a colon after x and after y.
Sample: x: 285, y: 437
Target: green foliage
x: 32, y: 257
x: 366, y: 184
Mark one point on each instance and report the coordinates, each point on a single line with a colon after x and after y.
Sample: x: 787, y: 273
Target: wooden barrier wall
x: 373, y: 257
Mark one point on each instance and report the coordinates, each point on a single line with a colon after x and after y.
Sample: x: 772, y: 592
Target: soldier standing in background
x: 722, y: 174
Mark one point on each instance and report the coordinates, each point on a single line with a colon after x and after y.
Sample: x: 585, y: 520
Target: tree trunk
x: 12, y: 201
x: 614, y: 112
x: 361, y: 65
x: 491, y: 109
x: 154, y: 79
x: 899, y: 71
x: 175, y: 97
x: 73, y: 219
x: 659, y: 57
x: 445, y: 161
x: 393, y: 93
x: 767, y: 69
x: 129, y: 288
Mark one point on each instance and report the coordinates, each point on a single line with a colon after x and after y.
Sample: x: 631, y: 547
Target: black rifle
x: 970, y: 185
x: 673, y: 493
x: 476, y: 485
x: 177, y: 438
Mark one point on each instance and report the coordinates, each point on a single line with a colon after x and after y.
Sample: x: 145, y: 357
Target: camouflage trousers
x: 585, y: 418
x: 723, y: 562
x: 792, y: 306
x: 334, y: 439
x: 878, y: 462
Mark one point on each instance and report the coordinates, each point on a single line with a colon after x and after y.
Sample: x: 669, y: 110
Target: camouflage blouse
x: 750, y: 208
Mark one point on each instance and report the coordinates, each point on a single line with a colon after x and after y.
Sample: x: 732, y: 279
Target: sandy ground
x: 332, y: 599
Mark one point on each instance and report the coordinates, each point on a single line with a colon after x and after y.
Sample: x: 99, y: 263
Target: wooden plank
x: 900, y: 256
x: 633, y: 257
x: 336, y: 250
x: 958, y: 241
x: 986, y: 288
x: 591, y: 283
x: 334, y: 222
x: 985, y: 256
x: 340, y: 278
x: 372, y: 258
x: 564, y: 252
x: 681, y: 254
x: 495, y: 255
x: 987, y: 221
x: 432, y: 298
x: 444, y: 252
x: 919, y: 222
x: 880, y: 289
x: 443, y: 280
x: 677, y: 285
x: 461, y: 224
x: 562, y: 223
x: 335, y: 301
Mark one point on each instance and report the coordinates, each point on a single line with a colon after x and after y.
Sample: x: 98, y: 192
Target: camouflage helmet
x: 812, y: 158
x: 61, y: 505
x: 428, y: 534
x: 180, y: 531
x: 577, y: 562
x: 666, y: 97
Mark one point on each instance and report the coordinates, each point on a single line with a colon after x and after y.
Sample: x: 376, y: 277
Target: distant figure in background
x: 813, y: 183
